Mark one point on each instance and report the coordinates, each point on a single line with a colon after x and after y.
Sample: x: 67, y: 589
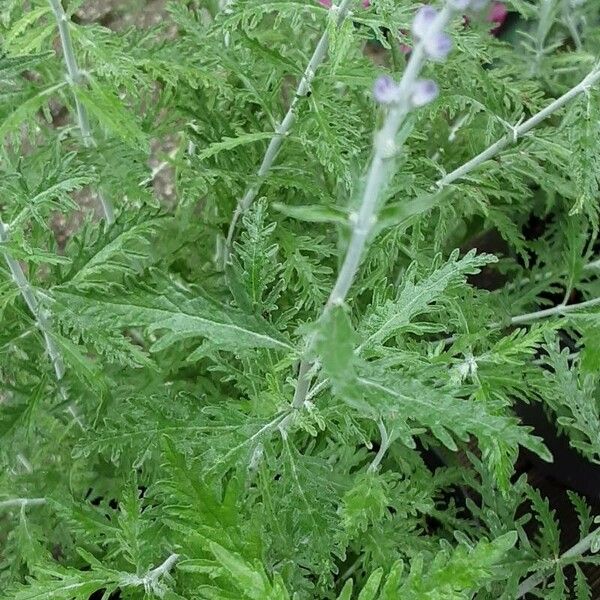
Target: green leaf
x: 416, y: 295
x: 499, y: 436
x: 229, y: 143
x: 108, y: 108
x: 455, y: 573
x: 392, y: 582
x: 64, y: 585
x: 180, y: 316
x: 27, y: 109
x: 365, y: 503
x: 85, y: 368
x: 252, y: 582
x: 370, y: 588
x: 395, y: 214
x: 11, y: 66
x: 314, y: 213
x: 22, y: 35
x: 346, y: 593
x: 335, y: 344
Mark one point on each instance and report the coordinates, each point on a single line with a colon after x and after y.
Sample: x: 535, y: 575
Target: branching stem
x: 33, y: 304
x: 154, y: 574
x: 75, y: 78
x: 150, y: 581
x: 385, y: 149
x: 284, y: 127
x: 356, y: 247
x: 518, y: 131
x: 582, y: 546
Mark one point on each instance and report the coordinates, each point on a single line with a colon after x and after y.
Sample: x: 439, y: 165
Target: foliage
x: 224, y: 429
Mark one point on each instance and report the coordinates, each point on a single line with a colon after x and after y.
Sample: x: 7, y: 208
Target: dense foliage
x: 187, y: 410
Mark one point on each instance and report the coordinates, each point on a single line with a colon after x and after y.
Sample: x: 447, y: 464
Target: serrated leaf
x: 416, y: 295
x: 108, y: 108
x: 314, y: 214
x: 229, y: 143
x: 25, y: 110
x: 180, y: 317
x: 11, y: 66
x: 252, y: 582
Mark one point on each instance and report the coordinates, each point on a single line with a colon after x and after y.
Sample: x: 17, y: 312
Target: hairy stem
x: 33, y: 304
x: 555, y: 310
x: 21, y: 502
x: 383, y: 447
x: 75, y: 79
x: 162, y: 569
x: 376, y: 180
x: 582, y: 546
x: 150, y: 581
x: 284, y: 126
x: 518, y: 131
x: 385, y: 149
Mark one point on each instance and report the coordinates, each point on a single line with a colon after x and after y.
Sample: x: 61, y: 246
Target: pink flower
x: 498, y: 13
x: 327, y: 3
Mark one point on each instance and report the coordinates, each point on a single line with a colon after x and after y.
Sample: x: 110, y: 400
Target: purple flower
x: 385, y: 90
x: 437, y: 45
x: 424, y: 91
x: 423, y: 21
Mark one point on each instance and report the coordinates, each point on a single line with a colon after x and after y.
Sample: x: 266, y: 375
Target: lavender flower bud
x: 437, y: 45
x: 423, y: 21
x: 424, y: 91
x: 385, y: 90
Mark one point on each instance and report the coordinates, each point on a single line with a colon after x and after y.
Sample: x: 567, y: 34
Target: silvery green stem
x: 286, y: 124
x: 150, y: 581
x: 555, y: 310
x: 21, y: 502
x: 154, y: 574
x: 578, y: 549
x: 34, y: 306
x: 383, y: 447
x: 75, y: 79
x: 366, y: 213
x: 518, y: 131
x: 385, y: 149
